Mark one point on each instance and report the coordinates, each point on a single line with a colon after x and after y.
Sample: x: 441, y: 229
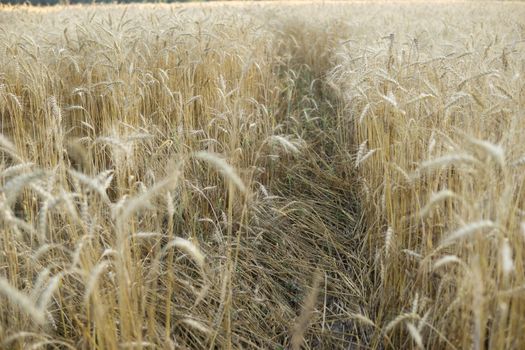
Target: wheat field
x: 269, y: 175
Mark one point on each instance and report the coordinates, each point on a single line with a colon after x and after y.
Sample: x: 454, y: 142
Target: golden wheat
x: 171, y: 174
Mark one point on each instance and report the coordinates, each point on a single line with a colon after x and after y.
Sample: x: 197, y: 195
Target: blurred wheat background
x: 317, y: 175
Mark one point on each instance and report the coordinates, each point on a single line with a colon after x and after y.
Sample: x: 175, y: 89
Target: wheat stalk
x: 22, y: 301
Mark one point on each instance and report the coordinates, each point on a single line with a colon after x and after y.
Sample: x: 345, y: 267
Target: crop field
x: 268, y: 175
